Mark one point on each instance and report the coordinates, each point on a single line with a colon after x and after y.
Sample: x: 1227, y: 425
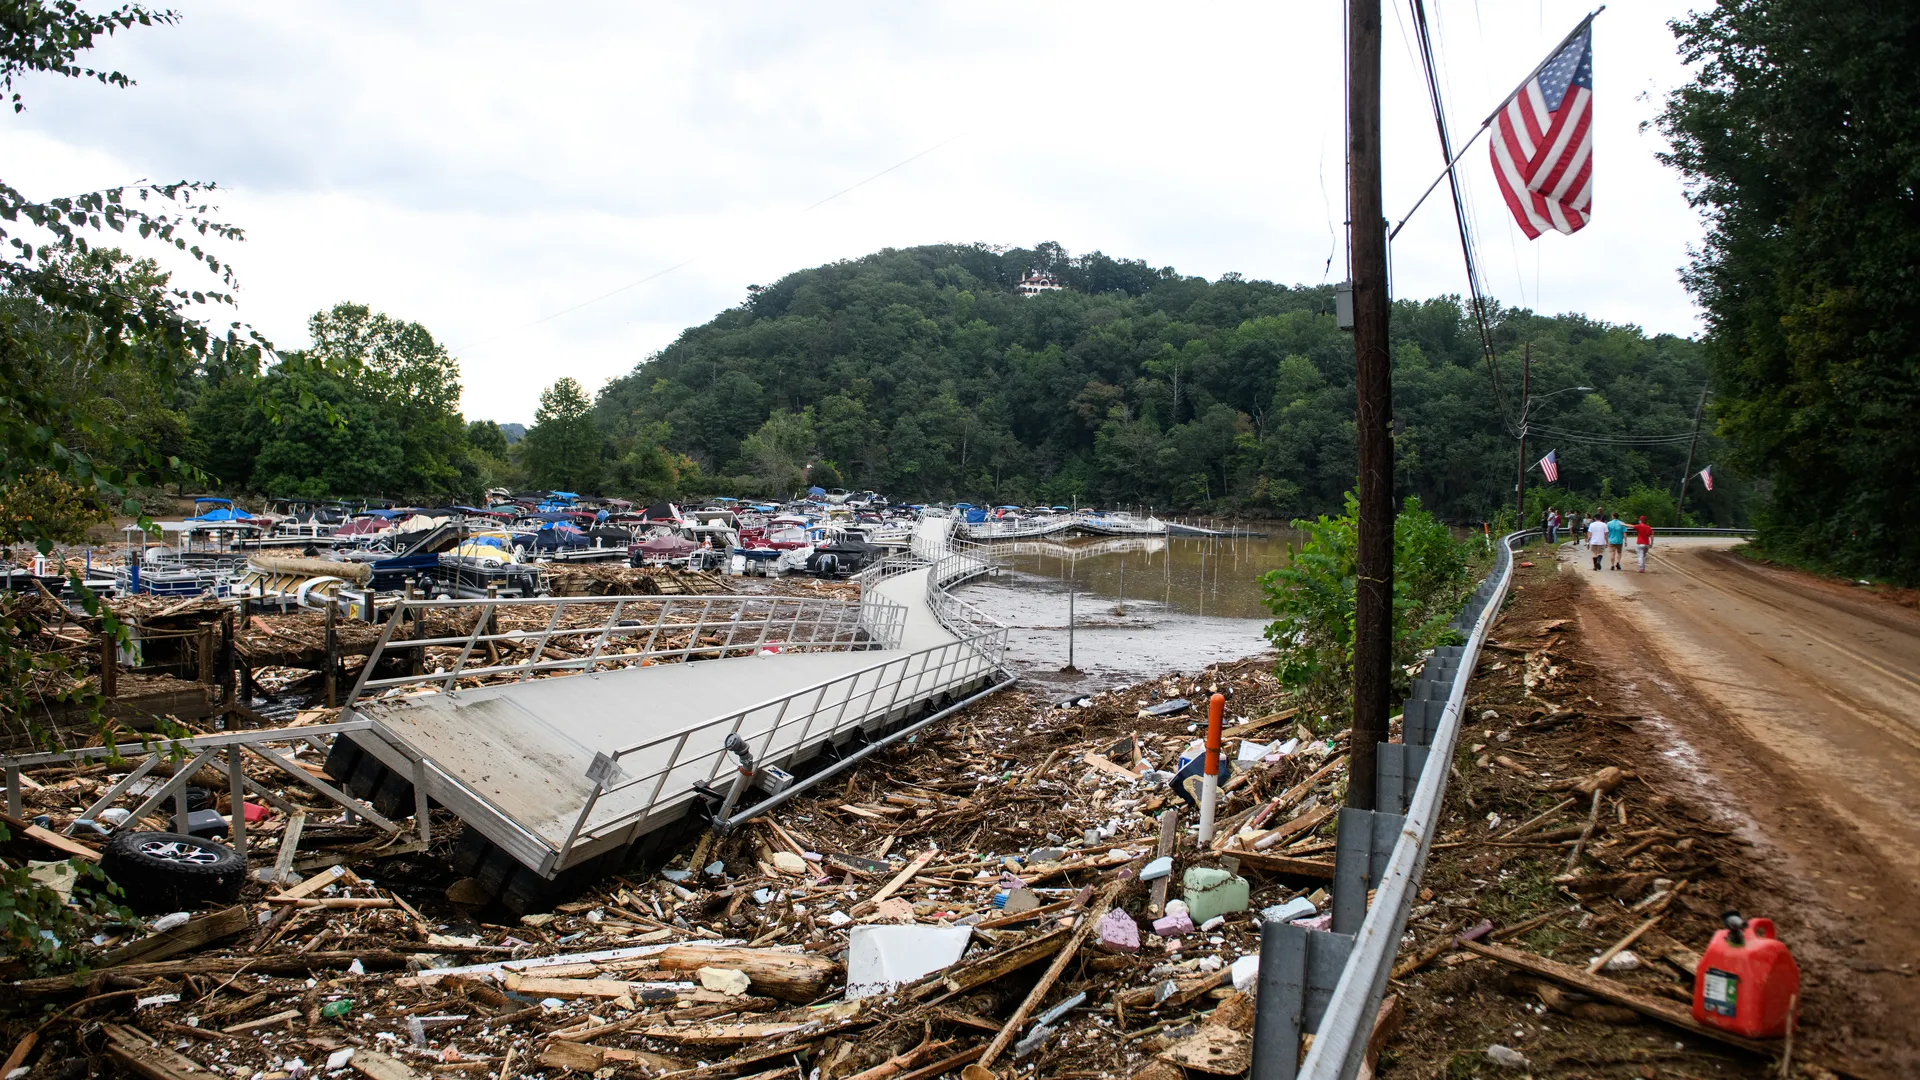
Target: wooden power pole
x: 1520, y: 483
x: 1373, y: 383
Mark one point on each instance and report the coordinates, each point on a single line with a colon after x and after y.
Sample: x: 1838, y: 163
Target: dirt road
x: 1794, y: 705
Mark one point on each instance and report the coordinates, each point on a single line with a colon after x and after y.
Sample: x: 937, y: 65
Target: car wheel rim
x: 176, y: 852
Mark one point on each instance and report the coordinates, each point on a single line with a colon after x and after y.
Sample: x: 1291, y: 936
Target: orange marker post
x: 1210, y: 775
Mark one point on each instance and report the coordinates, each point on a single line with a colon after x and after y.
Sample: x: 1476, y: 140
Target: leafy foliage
x: 562, y: 449
x: 372, y: 408
x: 84, y: 331
x: 1799, y: 139
x: 1312, y: 598
x: 924, y: 374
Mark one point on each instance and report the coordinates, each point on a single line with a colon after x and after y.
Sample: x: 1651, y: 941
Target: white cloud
x: 479, y: 167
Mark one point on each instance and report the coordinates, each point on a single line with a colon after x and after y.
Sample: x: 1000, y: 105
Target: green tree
x: 563, y: 447
x: 486, y: 437
x: 413, y: 384
x: 58, y: 430
x: 1312, y: 599
x: 1797, y: 139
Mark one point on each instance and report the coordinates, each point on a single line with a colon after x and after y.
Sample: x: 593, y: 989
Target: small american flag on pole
x: 1542, y: 145
x: 1706, y: 477
x: 1551, y: 466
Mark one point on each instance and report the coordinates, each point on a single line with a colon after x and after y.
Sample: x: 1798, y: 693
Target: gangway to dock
x: 652, y: 708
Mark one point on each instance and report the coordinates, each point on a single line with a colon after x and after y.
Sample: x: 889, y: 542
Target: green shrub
x: 1312, y: 599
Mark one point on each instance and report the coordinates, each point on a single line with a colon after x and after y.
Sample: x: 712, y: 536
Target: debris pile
x: 1018, y: 887
x: 1567, y: 894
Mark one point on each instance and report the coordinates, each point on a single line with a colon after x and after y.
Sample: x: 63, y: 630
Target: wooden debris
x: 789, y: 976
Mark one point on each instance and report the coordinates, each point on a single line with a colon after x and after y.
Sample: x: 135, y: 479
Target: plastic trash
x: 880, y: 958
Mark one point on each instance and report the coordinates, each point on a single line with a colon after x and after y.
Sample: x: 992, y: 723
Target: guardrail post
x: 1419, y: 719
x: 1396, y: 773
x: 1364, y: 840
x: 1299, y: 969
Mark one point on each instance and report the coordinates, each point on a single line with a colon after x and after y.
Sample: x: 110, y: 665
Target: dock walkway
x: 558, y: 771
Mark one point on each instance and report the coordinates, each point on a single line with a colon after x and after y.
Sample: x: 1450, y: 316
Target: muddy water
x: 1141, y: 606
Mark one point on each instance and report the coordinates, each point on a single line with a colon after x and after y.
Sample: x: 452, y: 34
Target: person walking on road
x: 1550, y: 522
x: 1616, y: 540
x: 1596, y: 539
x: 1642, y: 540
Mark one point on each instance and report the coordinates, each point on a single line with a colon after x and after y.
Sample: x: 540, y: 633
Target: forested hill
x: 922, y: 373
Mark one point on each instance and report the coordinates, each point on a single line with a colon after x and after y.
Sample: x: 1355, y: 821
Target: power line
x: 1429, y: 66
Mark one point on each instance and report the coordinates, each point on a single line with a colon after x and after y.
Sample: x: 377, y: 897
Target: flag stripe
x: 1567, y: 146
x: 1542, y: 154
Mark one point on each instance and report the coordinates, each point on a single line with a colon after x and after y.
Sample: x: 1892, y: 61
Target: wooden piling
x: 109, y: 666
x: 333, y: 654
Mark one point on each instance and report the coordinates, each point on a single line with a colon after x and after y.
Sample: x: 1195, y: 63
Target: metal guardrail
x: 795, y: 721
x: 1343, y: 1027
x: 698, y: 753
x: 663, y: 628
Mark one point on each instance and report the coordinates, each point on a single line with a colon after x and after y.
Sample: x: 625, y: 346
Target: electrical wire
x: 1429, y: 66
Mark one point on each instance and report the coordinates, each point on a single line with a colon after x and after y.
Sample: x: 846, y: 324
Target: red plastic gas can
x: 1746, y: 981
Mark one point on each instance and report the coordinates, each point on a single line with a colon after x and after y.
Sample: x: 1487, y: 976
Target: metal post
x: 1072, y: 593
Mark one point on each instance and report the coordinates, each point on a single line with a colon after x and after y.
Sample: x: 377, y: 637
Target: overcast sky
x: 493, y: 171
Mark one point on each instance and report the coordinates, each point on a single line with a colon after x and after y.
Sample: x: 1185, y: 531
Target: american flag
x: 1543, y: 143
x: 1551, y: 466
x: 1706, y: 477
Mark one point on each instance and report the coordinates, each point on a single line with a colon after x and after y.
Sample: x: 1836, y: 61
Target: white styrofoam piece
x: 880, y: 958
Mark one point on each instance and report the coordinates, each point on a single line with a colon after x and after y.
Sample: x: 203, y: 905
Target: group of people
x: 1606, y: 535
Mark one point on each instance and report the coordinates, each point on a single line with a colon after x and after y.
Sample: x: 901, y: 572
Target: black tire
x: 163, y: 871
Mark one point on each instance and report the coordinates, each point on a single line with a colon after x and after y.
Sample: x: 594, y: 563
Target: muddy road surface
x: 1792, y: 705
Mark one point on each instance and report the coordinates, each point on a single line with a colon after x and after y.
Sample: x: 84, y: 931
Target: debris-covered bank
x: 1001, y: 871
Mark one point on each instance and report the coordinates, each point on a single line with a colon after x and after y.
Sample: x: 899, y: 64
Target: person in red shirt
x: 1642, y: 540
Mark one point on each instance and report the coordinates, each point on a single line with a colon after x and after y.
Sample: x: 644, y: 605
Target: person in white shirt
x: 1597, y: 537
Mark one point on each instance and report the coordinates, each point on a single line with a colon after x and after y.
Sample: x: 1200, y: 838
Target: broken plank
x: 1608, y: 990
x: 375, y: 1065
x: 713, y: 1034
x: 66, y: 845
x: 568, y: 988
x: 961, y: 980
x: 1284, y: 864
x: 1104, y: 764
x: 789, y: 976
x: 190, y: 935
x: 314, y: 884
x: 264, y: 1022
x: 150, y: 1062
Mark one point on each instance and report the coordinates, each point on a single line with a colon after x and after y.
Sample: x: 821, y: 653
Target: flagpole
x: 1484, y: 124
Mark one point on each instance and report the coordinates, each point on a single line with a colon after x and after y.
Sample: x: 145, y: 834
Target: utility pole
x: 1520, y: 485
x: 1373, y: 385
x: 1680, y: 501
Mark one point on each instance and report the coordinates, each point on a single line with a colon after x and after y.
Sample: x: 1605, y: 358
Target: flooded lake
x: 1141, y: 605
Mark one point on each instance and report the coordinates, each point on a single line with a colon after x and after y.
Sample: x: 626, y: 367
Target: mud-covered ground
x: 1571, y: 688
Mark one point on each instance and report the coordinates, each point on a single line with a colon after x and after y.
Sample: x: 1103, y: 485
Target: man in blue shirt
x: 1616, y: 540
